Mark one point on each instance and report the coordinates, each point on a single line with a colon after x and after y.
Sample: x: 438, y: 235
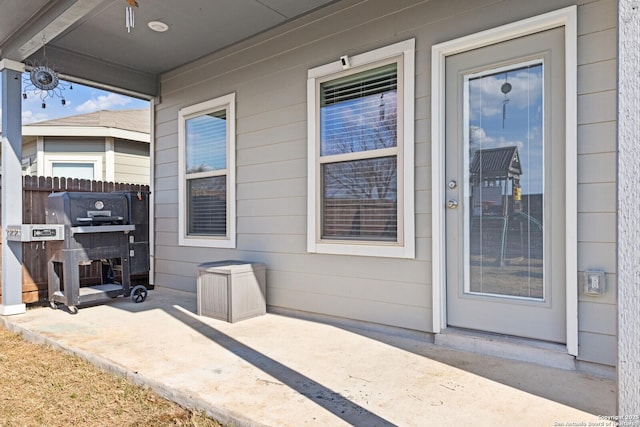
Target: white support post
x: 11, y: 185
x: 628, y: 210
x: 152, y: 202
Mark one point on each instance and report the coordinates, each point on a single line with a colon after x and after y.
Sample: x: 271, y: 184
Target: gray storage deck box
x: 231, y: 290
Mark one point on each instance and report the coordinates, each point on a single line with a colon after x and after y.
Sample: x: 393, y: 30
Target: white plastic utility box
x: 231, y: 290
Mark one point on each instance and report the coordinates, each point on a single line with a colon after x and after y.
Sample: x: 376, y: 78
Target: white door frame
x: 566, y: 18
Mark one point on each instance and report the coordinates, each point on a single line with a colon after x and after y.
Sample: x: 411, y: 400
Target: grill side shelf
x: 103, y: 229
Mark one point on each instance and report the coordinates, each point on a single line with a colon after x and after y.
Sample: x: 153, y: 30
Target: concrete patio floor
x: 277, y: 370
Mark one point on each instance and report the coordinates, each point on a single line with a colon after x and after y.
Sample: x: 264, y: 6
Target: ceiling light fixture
x: 158, y: 26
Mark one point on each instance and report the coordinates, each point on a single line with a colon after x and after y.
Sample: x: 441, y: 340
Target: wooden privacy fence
x: 35, y: 191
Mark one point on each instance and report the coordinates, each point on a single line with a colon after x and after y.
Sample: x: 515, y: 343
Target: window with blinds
x: 361, y: 184
x: 207, y: 206
x: 358, y: 160
x: 206, y: 172
x: 206, y: 145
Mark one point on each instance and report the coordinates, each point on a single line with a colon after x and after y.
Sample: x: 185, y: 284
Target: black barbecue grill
x: 110, y: 228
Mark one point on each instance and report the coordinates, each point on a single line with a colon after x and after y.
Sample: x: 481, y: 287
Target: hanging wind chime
x: 505, y: 89
x: 130, y: 19
x: 43, y: 81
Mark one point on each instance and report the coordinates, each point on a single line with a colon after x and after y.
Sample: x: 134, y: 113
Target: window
x: 207, y: 173
x: 361, y: 166
x: 74, y: 166
x: 73, y: 170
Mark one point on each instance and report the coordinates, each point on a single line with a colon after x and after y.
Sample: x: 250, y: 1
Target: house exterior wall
x: 131, y: 162
x: 268, y: 74
x: 131, y: 158
x: 597, y: 176
x: 29, y: 156
x: 75, y: 148
x: 73, y: 145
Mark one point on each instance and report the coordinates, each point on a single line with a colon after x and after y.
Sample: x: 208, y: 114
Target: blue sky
x: 79, y: 100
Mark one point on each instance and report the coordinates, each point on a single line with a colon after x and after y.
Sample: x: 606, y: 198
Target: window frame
x: 96, y: 160
x: 226, y: 102
x: 404, y: 247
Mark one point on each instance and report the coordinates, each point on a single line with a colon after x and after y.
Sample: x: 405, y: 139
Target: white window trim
x: 228, y: 241
x: 110, y: 159
x: 405, y: 50
x: 40, y: 156
x: 566, y: 18
x: 95, y: 160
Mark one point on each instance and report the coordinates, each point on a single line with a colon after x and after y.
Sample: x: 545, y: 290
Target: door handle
x: 452, y: 204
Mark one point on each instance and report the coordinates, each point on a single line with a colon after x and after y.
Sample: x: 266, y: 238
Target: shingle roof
x: 496, y: 162
x: 133, y: 120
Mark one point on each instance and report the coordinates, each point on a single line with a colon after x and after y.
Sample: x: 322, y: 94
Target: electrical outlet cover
x: 594, y: 283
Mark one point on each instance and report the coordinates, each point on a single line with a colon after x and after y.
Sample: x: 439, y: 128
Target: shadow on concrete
x: 574, y: 389
x: 328, y: 399
x: 579, y: 390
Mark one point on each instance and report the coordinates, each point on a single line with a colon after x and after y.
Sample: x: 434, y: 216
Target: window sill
x: 211, y: 242
x: 363, y: 249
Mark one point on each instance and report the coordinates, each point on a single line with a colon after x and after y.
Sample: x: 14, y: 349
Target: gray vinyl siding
x: 29, y: 149
x: 597, y: 177
x: 55, y: 145
x: 131, y: 162
x: 29, y: 152
x: 268, y: 74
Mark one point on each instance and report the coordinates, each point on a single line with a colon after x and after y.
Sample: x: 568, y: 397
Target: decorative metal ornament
x: 44, y: 78
x: 44, y: 82
x: 505, y: 89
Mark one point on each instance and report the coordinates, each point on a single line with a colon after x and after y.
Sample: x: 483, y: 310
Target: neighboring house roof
x: 496, y: 162
x: 126, y: 124
x: 135, y: 120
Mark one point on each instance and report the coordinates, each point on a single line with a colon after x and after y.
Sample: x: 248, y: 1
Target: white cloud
x: 486, y: 93
x: 103, y: 102
x: 30, y: 116
x: 478, y: 139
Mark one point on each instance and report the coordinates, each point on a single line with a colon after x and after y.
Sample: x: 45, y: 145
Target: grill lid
x: 87, y: 209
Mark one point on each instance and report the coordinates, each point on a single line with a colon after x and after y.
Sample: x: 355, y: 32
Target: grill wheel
x: 139, y: 294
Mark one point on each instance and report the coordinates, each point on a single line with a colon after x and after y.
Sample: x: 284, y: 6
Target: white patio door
x: 505, y: 214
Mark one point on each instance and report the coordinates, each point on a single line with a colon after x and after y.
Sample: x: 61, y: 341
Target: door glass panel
x: 504, y: 191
